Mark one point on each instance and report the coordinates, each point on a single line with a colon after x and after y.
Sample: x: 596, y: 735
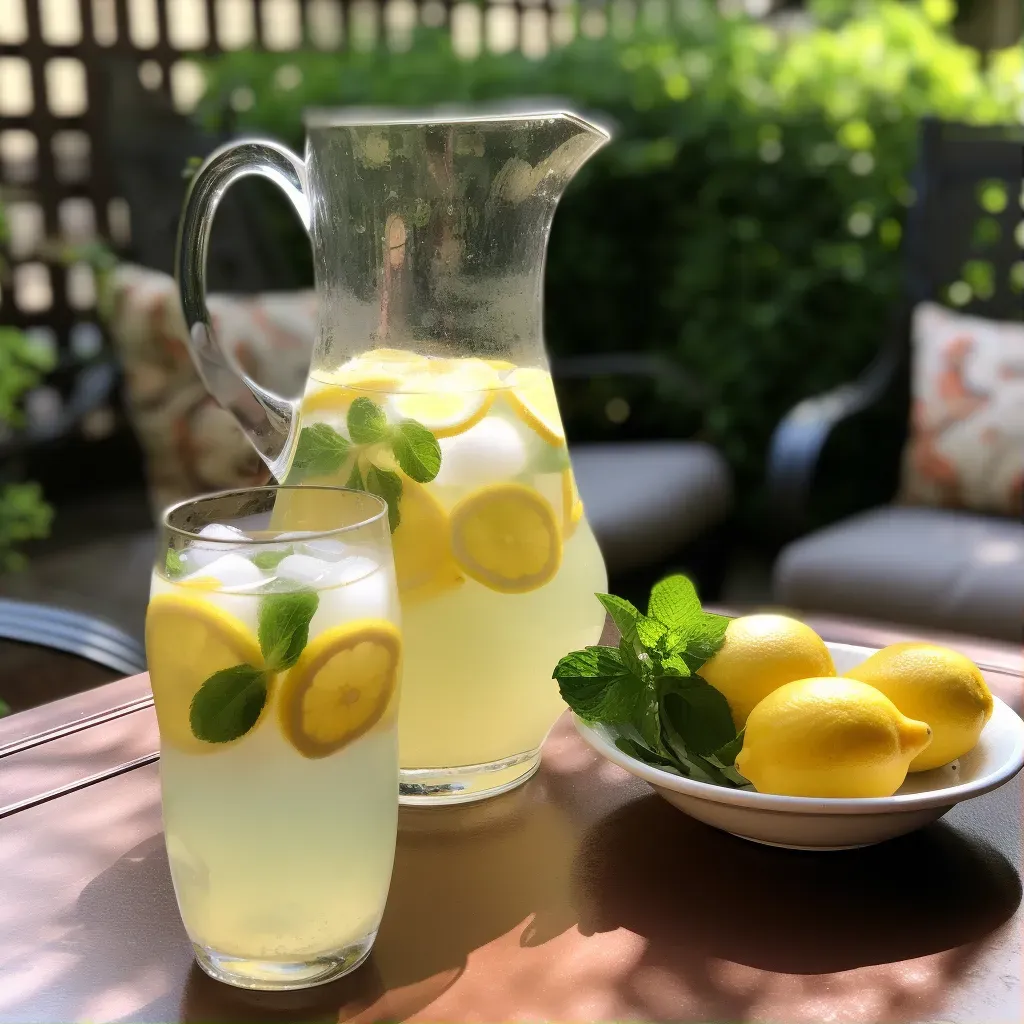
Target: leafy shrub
x: 747, y: 218
x: 23, y: 513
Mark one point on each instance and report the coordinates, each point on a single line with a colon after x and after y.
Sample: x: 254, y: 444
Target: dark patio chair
x: 919, y: 565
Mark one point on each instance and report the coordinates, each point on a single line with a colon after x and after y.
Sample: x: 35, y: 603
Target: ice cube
x: 349, y: 570
x: 303, y: 569
x: 327, y: 548
x: 234, y: 572
x: 199, y: 554
x: 491, y: 451
x: 370, y: 597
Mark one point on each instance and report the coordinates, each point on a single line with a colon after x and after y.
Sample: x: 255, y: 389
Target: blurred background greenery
x: 747, y: 220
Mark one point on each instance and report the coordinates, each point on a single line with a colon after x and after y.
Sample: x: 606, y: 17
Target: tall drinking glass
x: 275, y: 663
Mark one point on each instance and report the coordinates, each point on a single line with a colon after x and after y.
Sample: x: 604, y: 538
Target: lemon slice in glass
x: 506, y: 537
x: 340, y: 687
x: 533, y: 398
x: 188, y: 639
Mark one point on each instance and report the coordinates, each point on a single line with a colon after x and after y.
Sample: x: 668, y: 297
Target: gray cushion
x: 923, y: 566
x: 645, y: 500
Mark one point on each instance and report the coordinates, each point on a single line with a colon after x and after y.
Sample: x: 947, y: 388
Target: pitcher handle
x: 267, y: 418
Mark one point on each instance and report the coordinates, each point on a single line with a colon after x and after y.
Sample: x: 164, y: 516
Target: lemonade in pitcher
x: 492, y: 548
x: 429, y: 387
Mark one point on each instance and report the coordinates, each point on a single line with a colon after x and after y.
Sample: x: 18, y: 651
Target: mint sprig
x: 174, y: 565
x: 649, y: 687
x: 321, y: 451
x: 231, y: 701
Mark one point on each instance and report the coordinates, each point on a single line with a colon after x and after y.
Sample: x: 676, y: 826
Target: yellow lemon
x: 506, y: 537
x: 340, y: 687
x: 760, y: 654
x: 335, y: 392
x: 572, y: 506
x: 422, y: 543
x: 829, y: 737
x: 937, y: 686
x: 188, y: 638
x: 533, y: 398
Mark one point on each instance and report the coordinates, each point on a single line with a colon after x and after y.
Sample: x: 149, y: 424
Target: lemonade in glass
x: 274, y: 660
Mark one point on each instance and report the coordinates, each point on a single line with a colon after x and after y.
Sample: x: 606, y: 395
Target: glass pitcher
x: 429, y: 386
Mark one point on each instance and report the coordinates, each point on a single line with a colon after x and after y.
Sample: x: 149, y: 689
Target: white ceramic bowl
x: 805, y: 823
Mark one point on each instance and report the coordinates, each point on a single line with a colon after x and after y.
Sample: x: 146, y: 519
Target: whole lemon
x: 761, y: 653
x: 935, y: 685
x: 829, y: 737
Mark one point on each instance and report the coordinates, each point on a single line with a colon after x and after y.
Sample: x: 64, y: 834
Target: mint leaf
x: 597, y: 686
x: 228, y: 704
x: 173, y: 565
x: 726, y: 754
x: 631, y: 658
x: 699, y: 714
x: 705, y: 638
x: 320, y: 450
x: 355, y: 478
x: 650, y: 632
x: 367, y: 423
x: 672, y: 665
x: 642, y: 753
x: 674, y: 602
x: 624, y: 614
x: 269, y: 560
x: 417, y: 451
x: 284, y: 626
x: 386, y: 485
x: 5, y: 708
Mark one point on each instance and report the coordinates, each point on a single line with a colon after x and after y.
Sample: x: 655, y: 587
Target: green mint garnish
x: 228, y: 704
x: 284, y: 626
x: 320, y: 450
x: 650, y: 689
x: 386, y: 485
x: 173, y: 564
x: 268, y: 561
x: 416, y: 451
x: 367, y: 422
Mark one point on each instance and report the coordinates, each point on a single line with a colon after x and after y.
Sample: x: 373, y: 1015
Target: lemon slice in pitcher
x: 444, y: 413
x: 340, y: 687
x: 506, y: 537
x: 188, y: 639
x: 572, y: 505
x: 533, y: 398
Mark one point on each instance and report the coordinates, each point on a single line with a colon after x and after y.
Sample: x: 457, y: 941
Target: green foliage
x: 746, y: 220
x: 23, y: 513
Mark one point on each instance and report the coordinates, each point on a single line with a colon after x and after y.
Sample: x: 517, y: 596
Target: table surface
x: 579, y: 896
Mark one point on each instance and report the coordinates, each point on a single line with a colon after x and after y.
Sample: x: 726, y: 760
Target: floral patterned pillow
x: 191, y: 444
x: 966, y: 446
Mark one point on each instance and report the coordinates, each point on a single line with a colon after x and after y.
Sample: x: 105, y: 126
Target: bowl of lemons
x: 757, y: 726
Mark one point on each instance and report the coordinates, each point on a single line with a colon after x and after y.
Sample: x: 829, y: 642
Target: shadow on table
x: 463, y: 877
x: 717, y: 911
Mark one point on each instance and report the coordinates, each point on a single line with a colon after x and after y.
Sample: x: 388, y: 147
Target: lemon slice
x: 188, y: 638
x: 340, y: 687
x: 444, y: 413
x: 572, y: 506
x: 336, y: 391
x: 422, y: 543
x: 506, y: 537
x: 501, y: 365
x: 533, y: 398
